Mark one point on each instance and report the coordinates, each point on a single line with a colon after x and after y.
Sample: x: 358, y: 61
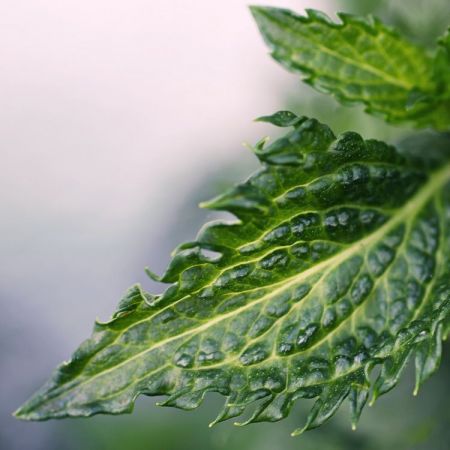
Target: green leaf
x: 440, y: 111
x: 442, y: 63
x: 359, y: 60
x: 338, y: 262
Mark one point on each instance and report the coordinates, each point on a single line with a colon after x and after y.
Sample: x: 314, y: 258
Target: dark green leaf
x: 338, y: 262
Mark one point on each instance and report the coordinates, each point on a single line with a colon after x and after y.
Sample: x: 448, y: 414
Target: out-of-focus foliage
x: 360, y: 60
x: 422, y: 21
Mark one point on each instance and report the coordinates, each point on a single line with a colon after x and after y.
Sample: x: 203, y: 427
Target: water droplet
x: 279, y: 306
x: 300, y: 250
x: 329, y: 318
x: 296, y: 193
x: 254, y: 354
x: 278, y: 258
x: 361, y: 289
x: 231, y: 342
x: 361, y: 357
x: 260, y: 326
x: 343, y: 308
x: 210, y: 357
x: 342, y: 364
x: 306, y: 336
x: 285, y: 348
x: 277, y: 234
x: 184, y: 360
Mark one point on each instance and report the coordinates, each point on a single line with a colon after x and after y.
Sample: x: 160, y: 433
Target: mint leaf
x: 338, y: 262
x: 359, y: 60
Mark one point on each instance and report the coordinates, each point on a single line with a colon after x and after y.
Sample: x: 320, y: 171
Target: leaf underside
x: 337, y: 262
x: 362, y: 61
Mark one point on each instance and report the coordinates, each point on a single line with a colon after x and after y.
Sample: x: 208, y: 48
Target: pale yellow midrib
x: 436, y: 181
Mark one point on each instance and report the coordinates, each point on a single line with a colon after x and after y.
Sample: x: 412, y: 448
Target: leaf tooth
x: 240, y: 201
x: 277, y: 409
x: 319, y: 16
x: 326, y: 405
x: 391, y: 370
x: 222, y: 235
x: 428, y: 357
x: 152, y: 275
x: 308, y: 136
x: 358, y: 397
x: 185, y: 256
x: 134, y: 298
x: 238, y: 401
x: 185, y: 400
x: 258, y: 410
x: 369, y: 22
x: 232, y: 408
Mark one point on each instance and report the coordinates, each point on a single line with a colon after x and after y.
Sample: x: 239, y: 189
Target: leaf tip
x: 24, y: 412
x: 207, y: 204
x: 265, y: 17
x: 259, y: 146
x: 298, y: 432
x: 282, y: 119
x: 18, y: 414
x: 257, y: 9
x: 152, y: 275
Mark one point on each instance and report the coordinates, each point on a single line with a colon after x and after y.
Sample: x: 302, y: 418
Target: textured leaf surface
x: 360, y: 60
x: 338, y: 262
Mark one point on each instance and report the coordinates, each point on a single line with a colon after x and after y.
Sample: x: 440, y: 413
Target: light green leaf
x: 338, y: 262
x: 359, y: 60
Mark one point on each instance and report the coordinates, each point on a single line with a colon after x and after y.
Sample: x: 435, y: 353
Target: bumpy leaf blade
x: 359, y: 60
x: 338, y: 262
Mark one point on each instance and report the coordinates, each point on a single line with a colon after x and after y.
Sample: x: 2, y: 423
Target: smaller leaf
x: 361, y: 60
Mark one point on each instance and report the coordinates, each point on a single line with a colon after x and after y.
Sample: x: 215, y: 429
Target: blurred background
x: 116, y: 119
